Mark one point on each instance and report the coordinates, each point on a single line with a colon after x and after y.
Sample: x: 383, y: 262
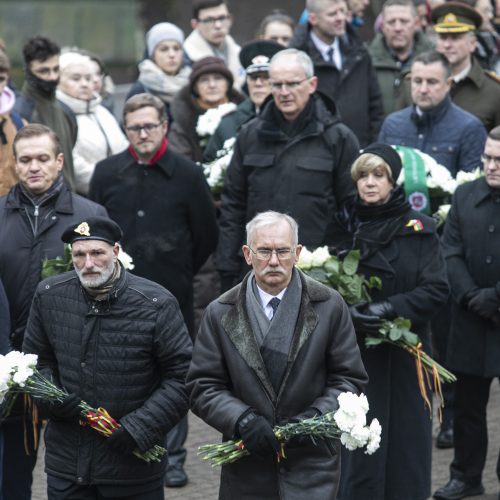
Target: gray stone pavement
x: 203, y: 479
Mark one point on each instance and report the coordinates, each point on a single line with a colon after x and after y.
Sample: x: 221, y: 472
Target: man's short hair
x: 319, y: 5
x: 205, y: 4
x: 40, y: 48
x: 302, y: 58
x: 270, y: 218
x: 4, y: 62
x: 144, y: 100
x: 494, y: 134
x: 37, y: 130
x: 431, y: 57
x: 400, y: 3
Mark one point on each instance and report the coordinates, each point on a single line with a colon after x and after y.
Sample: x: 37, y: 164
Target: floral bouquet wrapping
x: 348, y: 424
x: 215, y: 171
x: 342, y: 276
x: 19, y: 375
x: 209, y: 121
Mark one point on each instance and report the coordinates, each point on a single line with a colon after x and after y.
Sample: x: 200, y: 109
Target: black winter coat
x: 307, y: 176
x: 166, y: 214
x: 228, y: 376
x: 413, y: 276
x: 354, y: 89
x: 22, y: 252
x: 471, y: 246
x: 128, y: 354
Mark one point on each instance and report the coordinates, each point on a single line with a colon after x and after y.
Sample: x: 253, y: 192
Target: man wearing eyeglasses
x: 294, y: 157
x: 164, y: 206
x: 471, y: 247
x: 211, y: 23
x: 277, y: 348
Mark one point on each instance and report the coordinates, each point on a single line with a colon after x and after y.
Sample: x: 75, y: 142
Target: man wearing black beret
x: 117, y: 341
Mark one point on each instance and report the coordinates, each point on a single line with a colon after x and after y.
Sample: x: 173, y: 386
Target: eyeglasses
x: 147, y: 127
x: 266, y: 253
x: 487, y: 159
x: 210, y: 21
x: 277, y: 86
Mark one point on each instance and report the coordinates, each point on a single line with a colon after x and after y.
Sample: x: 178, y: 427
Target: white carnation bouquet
x: 348, y: 424
x: 215, y: 171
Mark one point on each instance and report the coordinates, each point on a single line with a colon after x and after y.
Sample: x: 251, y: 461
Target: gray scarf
x: 274, y: 337
x: 158, y: 83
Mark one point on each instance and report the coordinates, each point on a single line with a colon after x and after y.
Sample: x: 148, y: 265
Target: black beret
x: 455, y: 17
x: 93, y: 228
x: 255, y: 56
x: 388, y: 154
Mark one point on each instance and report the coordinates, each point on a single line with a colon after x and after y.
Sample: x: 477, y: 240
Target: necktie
x: 329, y: 55
x: 274, y: 303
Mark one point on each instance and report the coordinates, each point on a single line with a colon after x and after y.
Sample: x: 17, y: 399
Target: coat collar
x: 482, y: 191
x: 165, y: 163
x: 236, y: 324
x: 63, y: 202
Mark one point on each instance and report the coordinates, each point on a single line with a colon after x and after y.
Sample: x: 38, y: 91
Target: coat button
x: 140, y: 213
x: 489, y: 259
x: 79, y: 480
x: 82, y: 364
x: 491, y: 228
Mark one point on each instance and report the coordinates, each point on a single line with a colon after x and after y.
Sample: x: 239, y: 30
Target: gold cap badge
x: 83, y: 229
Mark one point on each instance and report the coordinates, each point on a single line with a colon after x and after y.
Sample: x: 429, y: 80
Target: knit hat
x: 388, y: 154
x: 160, y: 32
x: 93, y: 228
x: 209, y: 64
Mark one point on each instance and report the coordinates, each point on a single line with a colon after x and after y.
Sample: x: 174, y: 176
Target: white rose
x: 320, y: 256
x: 305, y: 259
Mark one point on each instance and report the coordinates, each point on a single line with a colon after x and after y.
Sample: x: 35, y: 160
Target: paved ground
x: 203, y: 480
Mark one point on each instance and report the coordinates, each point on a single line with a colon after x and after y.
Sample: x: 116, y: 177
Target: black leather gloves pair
x: 257, y: 434
x: 367, y: 316
x: 67, y: 409
x: 484, y: 302
x: 122, y: 441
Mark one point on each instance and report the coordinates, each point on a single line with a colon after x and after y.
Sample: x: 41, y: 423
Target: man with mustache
x: 33, y: 215
x: 294, y: 157
x: 278, y: 347
x: 117, y: 341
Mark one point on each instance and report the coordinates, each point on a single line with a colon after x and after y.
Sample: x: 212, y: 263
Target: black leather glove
x: 67, y: 409
x: 122, y: 441
x: 257, y: 435
x: 228, y: 280
x: 485, y: 303
x: 299, y: 441
x: 382, y: 310
x: 364, y: 323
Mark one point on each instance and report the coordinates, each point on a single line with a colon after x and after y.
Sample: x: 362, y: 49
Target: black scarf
x: 374, y: 226
x: 45, y: 87
x: 291, y: 129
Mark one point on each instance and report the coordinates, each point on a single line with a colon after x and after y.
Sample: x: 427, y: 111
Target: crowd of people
x: 317, y: 129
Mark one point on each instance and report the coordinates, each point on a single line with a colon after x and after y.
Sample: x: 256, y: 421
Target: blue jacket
x: 452, y: 136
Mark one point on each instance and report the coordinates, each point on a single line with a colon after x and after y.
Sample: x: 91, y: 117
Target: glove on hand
x: 485, y: 303
x: 299, y: 441
x: 122, y: 441
x: 382, y: 310
x: 257, y: 435
x: 364, y: 323
x: 67, y: 409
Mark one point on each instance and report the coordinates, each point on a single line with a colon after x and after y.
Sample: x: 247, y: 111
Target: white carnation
x: 125, y: 259
x: 462, y: 177
x: 320, y: 256
x: 352, y: 411
x: 209, y: 121
x: 22, y: 374
x: 349, y: 441
x: 374, y: 437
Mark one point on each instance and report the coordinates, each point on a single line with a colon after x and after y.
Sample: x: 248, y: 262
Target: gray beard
x: 106, y: 273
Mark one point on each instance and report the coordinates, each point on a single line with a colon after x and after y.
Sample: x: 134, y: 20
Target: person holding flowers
x: 277, y: 348
x: 401, y: 247
x: 118, y: 342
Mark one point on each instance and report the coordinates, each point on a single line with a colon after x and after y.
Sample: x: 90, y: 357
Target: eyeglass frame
x: 210, y: 21
x: 277, y: 86
x: 147, y: 127
x: 290, y: 252
x: 487, y: 159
